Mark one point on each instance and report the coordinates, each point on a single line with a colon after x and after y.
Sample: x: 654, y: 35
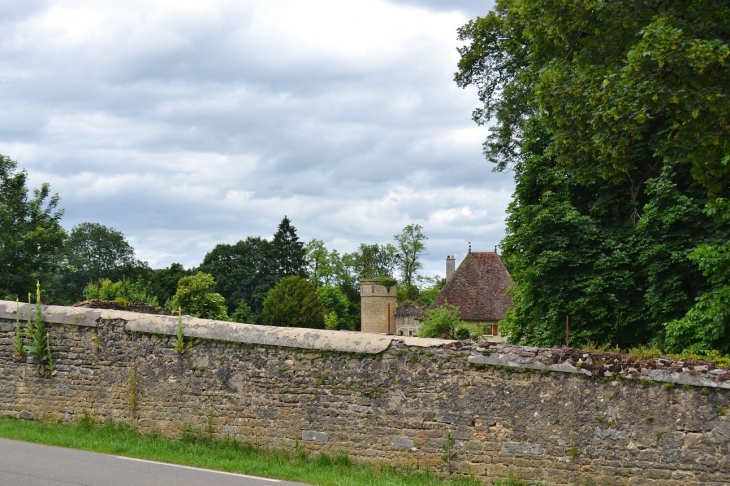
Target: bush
x: 293, y: 302
x: 336, y: 306
x: 194, y: 297
x: 443, y: 322
x: 123, y: 290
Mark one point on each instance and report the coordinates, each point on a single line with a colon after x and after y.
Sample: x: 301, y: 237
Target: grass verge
x: 192, y: 449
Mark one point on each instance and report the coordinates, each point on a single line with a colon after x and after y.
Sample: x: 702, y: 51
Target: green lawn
x: 224, y: 455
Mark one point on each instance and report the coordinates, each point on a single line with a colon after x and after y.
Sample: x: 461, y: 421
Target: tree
x: 288, y: 252
x: 441, y: 322
x: 31, y: 236
x: 572, y: 252
x: 372, y: 261
x: 243, y: 313
x: 94, y: 251
x: 195, y: 297
x: 631, y: 145
x: 410, y: 244
x: 322, y: 265
x: 336, y: 305
x: 162, y: 282
x: 707, y: 325
x: 245, y: 271
x: 625, y: 87
x: 293, y: 302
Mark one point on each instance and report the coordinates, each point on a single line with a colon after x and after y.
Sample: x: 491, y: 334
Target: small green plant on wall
x: 39, y: 347
x: 179, y: 344
x: 19, y: 350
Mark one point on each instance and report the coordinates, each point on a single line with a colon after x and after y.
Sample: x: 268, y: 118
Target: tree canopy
x: 411, y: 247
x: 294, y: 302
x: 94, y: 251
x: 31, y: 236
x: 614, y: 117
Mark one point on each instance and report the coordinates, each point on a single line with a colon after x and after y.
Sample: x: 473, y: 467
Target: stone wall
x: 381, y: 399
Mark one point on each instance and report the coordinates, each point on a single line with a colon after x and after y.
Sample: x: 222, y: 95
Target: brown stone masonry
x: 379, y: 399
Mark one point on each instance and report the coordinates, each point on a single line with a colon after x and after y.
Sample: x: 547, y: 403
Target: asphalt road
x: 26, y: 464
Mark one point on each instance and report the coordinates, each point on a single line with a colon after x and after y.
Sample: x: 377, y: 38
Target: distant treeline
x: 93, y: 261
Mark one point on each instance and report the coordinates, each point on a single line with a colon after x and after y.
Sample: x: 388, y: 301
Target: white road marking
x: 198, y: 469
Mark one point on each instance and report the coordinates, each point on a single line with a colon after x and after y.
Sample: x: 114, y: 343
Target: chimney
x: 450, y: 266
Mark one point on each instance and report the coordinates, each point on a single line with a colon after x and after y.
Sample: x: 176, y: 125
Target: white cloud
x: 185, y: 123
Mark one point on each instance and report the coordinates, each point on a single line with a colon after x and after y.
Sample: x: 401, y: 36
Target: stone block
x: 314, y: 436
x: 525, y: 448
x: 400, y: 442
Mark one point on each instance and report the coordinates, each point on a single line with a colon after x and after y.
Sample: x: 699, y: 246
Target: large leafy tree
x: 93, y: 252
x: 572, y: 252
x: 372, y: 261
x: 31, y: 236
x: 244, y: 272
x: 411, y: 246
x: 614, y: 115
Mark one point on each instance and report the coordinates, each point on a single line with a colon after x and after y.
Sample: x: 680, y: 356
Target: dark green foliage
x: 707, y: 325
x: 244, y: 271
x: 31, y: 236
x: 162, y: 283
x: 288, y: 252
x: 336, y: 303
x: 293, y: 302
x: 614, y: 117
x: 572, y: 250
x: 243, y: 313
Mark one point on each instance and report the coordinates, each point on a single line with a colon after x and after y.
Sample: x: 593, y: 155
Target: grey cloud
x: 212, y: 138
x: 470, y: 8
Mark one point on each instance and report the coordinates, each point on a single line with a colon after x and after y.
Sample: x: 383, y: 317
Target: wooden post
x: 567, y: 331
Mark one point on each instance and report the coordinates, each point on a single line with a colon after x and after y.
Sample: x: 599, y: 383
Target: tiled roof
x: 478, y: 288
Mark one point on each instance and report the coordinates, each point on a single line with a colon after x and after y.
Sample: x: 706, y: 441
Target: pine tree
x: 288, y: 252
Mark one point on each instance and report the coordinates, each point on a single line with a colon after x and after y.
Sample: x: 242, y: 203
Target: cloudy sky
x: 187, y: 123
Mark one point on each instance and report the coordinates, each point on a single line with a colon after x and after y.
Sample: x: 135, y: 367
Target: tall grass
x: 194, y: 449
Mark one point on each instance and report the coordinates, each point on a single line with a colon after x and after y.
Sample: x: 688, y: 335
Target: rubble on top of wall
x: 693, y: 372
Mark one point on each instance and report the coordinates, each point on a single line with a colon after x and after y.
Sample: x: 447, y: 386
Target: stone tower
x: 377, y: 304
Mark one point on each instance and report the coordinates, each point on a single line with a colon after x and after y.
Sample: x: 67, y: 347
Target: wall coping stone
x: 346, y: 341
x: 567, y: 360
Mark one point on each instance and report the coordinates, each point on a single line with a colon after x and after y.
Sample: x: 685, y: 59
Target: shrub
x: 442, y: 322
x: 194, y: 296
x: 293, y: 302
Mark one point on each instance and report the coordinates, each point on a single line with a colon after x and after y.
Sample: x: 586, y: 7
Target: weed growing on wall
x: 19, y: 350
x: 39, y: 347
x: 448, y: 448
x: 179, y: 344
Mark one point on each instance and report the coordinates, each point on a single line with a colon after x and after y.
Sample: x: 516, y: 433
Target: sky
x: 185, y: 124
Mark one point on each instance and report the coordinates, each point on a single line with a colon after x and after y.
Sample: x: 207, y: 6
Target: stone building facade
x: 408, y: 319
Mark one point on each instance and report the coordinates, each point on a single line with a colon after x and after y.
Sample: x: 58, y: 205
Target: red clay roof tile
x: 478, y: 288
